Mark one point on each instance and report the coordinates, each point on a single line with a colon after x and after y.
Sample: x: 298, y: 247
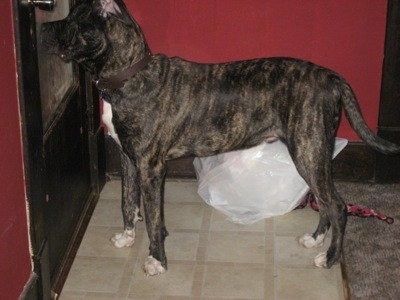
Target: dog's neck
x: 119, y: 60
x: 117, y: 80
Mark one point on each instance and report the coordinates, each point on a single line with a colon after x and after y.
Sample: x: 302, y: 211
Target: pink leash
x: 352, y: 210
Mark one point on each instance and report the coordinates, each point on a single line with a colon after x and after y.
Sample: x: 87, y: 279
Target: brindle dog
x: 164, y: 108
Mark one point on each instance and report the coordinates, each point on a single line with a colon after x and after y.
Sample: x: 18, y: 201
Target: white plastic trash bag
x: 253, y: 184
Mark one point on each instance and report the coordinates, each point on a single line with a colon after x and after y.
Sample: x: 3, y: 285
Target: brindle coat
x: 173, y: 108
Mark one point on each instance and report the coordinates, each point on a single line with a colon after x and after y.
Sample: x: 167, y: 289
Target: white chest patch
x: 107, y: 120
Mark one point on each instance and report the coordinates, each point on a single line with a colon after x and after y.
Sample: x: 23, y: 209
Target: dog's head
x: 89, y: 33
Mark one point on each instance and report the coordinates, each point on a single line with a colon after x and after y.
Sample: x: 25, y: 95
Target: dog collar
x: 118, y: 81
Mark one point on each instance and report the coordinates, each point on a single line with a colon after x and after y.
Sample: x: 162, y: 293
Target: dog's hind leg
x: 316, y: 239
x: 314, y: 165
x: 130, y: 203
x: 152, y: 176
x: 334, y: 212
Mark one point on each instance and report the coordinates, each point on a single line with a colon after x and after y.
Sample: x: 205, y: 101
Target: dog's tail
x: 353, y: 114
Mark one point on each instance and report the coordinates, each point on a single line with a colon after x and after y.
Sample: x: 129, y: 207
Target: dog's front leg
x: 130, y: 203
x: 152, y: 188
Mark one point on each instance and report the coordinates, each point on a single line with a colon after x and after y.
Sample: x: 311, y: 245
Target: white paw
x: 320, y: 260
x: 124, y: 239
x: 308, y: 241
x: 152, y: 266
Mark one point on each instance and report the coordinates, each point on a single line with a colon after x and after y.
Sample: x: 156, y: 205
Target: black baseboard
x: 387, y: 167
x: 356, y: 162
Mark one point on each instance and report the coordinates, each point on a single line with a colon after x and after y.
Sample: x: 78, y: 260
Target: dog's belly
x: 205, y: 145
x: 107, y: 120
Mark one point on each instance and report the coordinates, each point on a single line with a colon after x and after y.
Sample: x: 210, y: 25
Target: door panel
x: 56, y: 78
x: 68, y: 179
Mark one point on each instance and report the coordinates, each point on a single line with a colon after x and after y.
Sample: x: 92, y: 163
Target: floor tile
x: 112, y: 190
x: 236, y: 247
x: 233, y: 282
x: 107, y: 213
x: 184, y: 216
x: 182, y: 246
x: 95, y: 274
x: 312, y: 284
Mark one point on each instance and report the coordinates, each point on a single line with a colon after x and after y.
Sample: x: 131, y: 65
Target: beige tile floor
x: 209, y: 257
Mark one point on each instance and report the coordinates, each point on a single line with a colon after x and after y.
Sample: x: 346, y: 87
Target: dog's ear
x: 114, y: 9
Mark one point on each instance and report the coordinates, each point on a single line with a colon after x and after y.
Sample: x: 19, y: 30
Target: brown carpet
x: 371, y: 253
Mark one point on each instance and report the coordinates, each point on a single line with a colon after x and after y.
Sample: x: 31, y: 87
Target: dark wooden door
x: 61, y: 139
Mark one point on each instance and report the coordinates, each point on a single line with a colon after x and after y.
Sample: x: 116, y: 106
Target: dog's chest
x: 107, y: 120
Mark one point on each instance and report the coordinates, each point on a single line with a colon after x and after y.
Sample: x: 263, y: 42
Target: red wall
x: 15, y: 265
x: 346, y: 36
